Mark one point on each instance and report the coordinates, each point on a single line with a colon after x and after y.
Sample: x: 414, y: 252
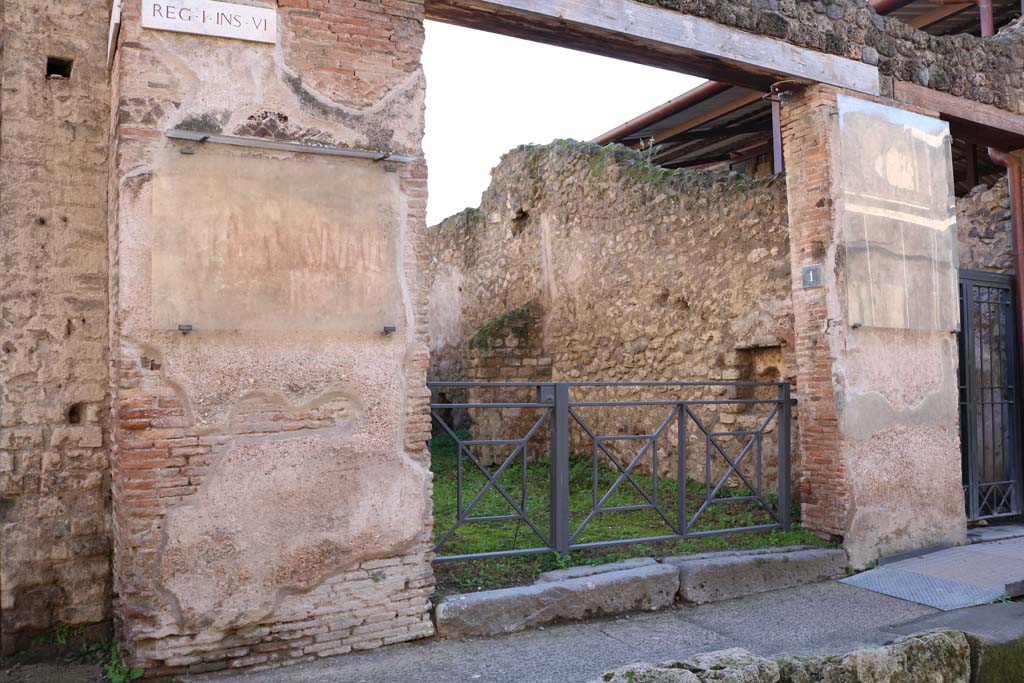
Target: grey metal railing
x: 576, y: 421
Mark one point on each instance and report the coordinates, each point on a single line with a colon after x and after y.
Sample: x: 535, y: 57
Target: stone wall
x: 271, y: 486
x: 987, y: 70
x: 642, y: 274
x: 54, y: 487
x: 985, y: 230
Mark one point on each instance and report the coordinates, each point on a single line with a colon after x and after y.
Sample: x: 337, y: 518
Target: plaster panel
x: 274, y: 243
x: 899, y: 217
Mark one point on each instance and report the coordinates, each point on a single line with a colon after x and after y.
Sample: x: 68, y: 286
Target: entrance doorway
x: 989, y: 397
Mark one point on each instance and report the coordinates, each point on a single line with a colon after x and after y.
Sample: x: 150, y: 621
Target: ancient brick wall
x: 507, y: 348
x: 271, y: 488
x: 987, y: 70
x: 642, y: 274
x: 824, y: 492
x: 985, y: 232
x: 54, y: 486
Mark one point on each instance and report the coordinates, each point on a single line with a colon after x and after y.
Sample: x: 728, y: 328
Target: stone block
x: 711, y: 577
x: 81, y: 437
x: 592, y: 570
x: 726, y: 666
x: 995, y: 633
x: 936, y: 657
x: 514, y: 609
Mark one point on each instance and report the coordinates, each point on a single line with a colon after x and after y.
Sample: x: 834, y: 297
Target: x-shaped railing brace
x: 463, y: 515
x: 733, y: 467
x: 624, y: 473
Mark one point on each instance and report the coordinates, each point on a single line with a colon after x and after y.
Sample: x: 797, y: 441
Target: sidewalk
x: 818, y: 619
x: 823, y: 618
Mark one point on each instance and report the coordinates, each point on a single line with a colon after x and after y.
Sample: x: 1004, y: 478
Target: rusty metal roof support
x: 988, y: 25
x: 887, y: 6
x: 687, y: 99
x: 1015, y: 171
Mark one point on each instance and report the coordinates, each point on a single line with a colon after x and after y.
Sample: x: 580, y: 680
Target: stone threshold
x: 639, y: 585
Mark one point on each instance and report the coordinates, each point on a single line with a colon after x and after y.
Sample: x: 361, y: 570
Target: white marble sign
x: 211, y: 18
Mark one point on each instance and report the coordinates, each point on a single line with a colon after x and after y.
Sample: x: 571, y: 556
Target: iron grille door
x: 989, y: 405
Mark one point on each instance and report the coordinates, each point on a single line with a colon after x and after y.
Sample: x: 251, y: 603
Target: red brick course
x: 824, y: 493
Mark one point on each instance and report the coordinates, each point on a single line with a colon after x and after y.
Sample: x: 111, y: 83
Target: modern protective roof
x: 717, y: 124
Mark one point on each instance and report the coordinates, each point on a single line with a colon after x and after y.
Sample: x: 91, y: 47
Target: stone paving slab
x: 1000, y: 532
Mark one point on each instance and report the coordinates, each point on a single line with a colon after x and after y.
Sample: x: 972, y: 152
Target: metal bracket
x: 297, y: 147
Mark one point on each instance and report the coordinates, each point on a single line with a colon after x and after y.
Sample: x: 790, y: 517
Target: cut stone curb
x: 735, y: 665
x: 936, y: 657
x: 996, y: 635
x: 509, y: 610
x: 642, y: 584
x: 711, y: 578
x: 592, y: 570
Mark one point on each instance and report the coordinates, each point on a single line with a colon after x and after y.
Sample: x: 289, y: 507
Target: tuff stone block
x: 721, y: 576
x: 514, y: 609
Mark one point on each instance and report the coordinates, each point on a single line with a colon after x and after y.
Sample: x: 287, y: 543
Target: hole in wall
x: 59, y: 67
x: 75, y: 413
x: 519, y: 222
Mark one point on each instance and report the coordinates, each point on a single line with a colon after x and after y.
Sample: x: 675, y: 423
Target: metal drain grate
x: 950, y: 579
x: 932, y: 591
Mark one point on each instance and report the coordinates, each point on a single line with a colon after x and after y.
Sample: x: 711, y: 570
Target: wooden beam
x: 971, y: 152
x: 938, y: 14
x: 981, y: 123
x: 660, y: 37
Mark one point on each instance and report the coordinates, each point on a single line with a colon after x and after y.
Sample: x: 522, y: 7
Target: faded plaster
x: 897, y: 377
x: 273, y: 243
x: 905, y: 491
x: 895, y: 390
x: 256, y: 531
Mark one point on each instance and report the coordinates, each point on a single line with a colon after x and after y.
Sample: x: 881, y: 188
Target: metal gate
x: 989, y: 405
x: 547, y: 461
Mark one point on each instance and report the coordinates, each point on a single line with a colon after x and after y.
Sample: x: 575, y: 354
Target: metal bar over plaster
x: 195, y: 136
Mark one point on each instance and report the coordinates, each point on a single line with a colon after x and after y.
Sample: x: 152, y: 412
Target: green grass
x: 479, y: 537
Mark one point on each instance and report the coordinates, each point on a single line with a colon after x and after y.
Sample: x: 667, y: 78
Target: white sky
x: 488, y: 93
